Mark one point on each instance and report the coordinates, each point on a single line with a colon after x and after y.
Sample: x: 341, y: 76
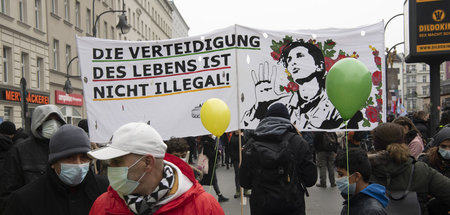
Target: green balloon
x: 348, y: 86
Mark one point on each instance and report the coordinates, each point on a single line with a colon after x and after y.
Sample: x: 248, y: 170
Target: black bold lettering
x: 134, y: 53
x: 97, y: 53
x: 98, y: 72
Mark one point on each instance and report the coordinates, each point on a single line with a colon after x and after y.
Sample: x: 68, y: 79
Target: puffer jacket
x: 193, y: 201
x: 426, y: 180
x: 27, y: 160
x: 370, y: 201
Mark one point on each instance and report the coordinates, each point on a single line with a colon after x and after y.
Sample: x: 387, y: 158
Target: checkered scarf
x: 146, y: 205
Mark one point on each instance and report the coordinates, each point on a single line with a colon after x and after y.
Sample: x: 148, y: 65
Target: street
x: 321, y: 200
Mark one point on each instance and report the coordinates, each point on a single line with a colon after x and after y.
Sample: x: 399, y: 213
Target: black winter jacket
x: 26, y: 161
x: 5, y: 145
x: 362, y: 204
x: 49, y: 195
x: 423, y: 127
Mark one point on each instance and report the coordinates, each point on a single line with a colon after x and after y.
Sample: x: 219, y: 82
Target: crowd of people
x: 399, y: 167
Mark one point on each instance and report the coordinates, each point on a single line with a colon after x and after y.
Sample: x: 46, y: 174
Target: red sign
x: 68, y: 99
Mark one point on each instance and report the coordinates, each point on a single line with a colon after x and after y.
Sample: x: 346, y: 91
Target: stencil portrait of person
x: 304, y: 95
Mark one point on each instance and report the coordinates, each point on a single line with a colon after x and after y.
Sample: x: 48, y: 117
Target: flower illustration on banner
x: 372, y: 114
x: 376, y: 78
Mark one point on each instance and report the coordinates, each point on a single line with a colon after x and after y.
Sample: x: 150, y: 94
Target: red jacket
x: 193, y: 201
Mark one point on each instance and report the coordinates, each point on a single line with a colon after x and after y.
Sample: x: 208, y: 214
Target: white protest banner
x: 291, y: 68
x: 165, y: 82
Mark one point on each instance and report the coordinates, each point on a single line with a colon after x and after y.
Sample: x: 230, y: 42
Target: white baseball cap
x: 132, y: 138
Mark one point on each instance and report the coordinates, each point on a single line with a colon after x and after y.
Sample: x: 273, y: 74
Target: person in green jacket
x: 392, y: 160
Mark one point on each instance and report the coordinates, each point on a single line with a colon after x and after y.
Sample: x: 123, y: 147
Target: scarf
x: 145, y: 205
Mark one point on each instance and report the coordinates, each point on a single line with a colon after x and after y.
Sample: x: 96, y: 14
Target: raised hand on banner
x: 265, y: 93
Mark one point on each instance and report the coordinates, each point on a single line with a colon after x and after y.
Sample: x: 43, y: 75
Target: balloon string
x: 216, y: 148
x: 348, y: 173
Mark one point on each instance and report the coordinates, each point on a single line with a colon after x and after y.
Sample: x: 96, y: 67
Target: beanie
x: 7, y: 128
x: 278, y: 110
x: 84, y: 125
x: 68, y: 140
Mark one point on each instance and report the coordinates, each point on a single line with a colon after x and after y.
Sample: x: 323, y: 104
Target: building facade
x: 23, y: 40
x: 180, y: 27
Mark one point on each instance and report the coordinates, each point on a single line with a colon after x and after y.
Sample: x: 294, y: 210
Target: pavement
x: 321, y: 200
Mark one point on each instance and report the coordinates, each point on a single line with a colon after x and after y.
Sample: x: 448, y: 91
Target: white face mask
x: 73, y: 174
x: 445, y: 153
x: 50, y: 127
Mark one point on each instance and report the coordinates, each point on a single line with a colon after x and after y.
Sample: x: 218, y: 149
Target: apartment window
x: 66, y: 10
x: 5, y: 6
x: 88, y: 21
x: 22, y: 10
x: 39, y: 70
x: 424, y: 67
x: 37, y: 13
x: 441, y: 68
x: 105, y: 29
x: 424, y: 78
x: 7, y: 114
x: 425, y: 90
x: 413, y: 68
x: 134, y: 20
x: 142, y: 27
x: 77, y: 14
x: 6, y: 63
x: 55, y: 6
x: 68, y: 57
x: 24, y: 66
x: 56, y: 54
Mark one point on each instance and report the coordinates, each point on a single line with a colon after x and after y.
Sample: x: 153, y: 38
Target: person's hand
x: 264, y: 84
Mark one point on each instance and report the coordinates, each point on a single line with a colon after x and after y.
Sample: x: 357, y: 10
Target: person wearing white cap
x: 145, y: 180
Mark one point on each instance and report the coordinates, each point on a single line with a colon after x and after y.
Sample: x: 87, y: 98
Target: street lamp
x: 123, y: 26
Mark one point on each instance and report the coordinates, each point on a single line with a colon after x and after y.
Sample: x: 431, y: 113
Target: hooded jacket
x: 273, y: 129
x: 49, y: 195
x: 370, y: 201
x: 5, y: 145
x: 193, y: 201
x: 426, y: 180
x: 443, y: 166
x: 28, y: 159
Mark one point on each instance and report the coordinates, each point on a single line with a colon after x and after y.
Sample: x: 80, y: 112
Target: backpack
x: 403, y: 201
x: 276, y: 186
x: 329, y: 142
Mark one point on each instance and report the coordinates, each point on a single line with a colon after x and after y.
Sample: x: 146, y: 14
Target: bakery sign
x: 68, y: 99
x: 14, y: 95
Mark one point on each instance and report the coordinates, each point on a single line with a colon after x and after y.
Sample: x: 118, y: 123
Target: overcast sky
x: 204, y: 16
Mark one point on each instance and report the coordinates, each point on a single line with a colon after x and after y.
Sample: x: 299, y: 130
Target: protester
x: 234, y: 151
x: 420, y: 119
x: 412, y: 135
x: 145, y: 180
x: 277, y: 165
x: 365, y: 198
x: 69, y: 186
x: 7, y: 132
x: 20, y: 135
x: 392, y: 166
x: 179, y: 147
x: 192, y: 149
x: 207, y: 146
x: 326, y: 145
x: 28, y: 159
x: 438, y: 158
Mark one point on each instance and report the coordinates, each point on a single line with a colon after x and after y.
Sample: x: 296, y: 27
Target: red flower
x: 328, y: 63
x: 372, y: 114
x: 275, y: 55
x: 380, y: 92
x: 376, y: 78
x: 377, y: 60
x: 293, y: 86
x: 379, y: 102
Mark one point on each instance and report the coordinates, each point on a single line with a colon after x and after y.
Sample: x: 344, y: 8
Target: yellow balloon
x: 215, y: 116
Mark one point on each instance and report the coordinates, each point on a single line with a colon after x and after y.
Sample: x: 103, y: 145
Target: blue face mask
x: 118, y: 179
x: 73, y: 174
x: 344, y: 187
x: 444, y: 153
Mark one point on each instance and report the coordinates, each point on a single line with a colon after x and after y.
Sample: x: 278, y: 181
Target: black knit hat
x: 84, y: 125
x: 278, y: 110
x: 68, y: 140
x: 7, y: 128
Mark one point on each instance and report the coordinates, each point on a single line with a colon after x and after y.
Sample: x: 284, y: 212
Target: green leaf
x: 379, y: 67
x: 377, y: 96
x: 366, y: 123
x: 281, y: 88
